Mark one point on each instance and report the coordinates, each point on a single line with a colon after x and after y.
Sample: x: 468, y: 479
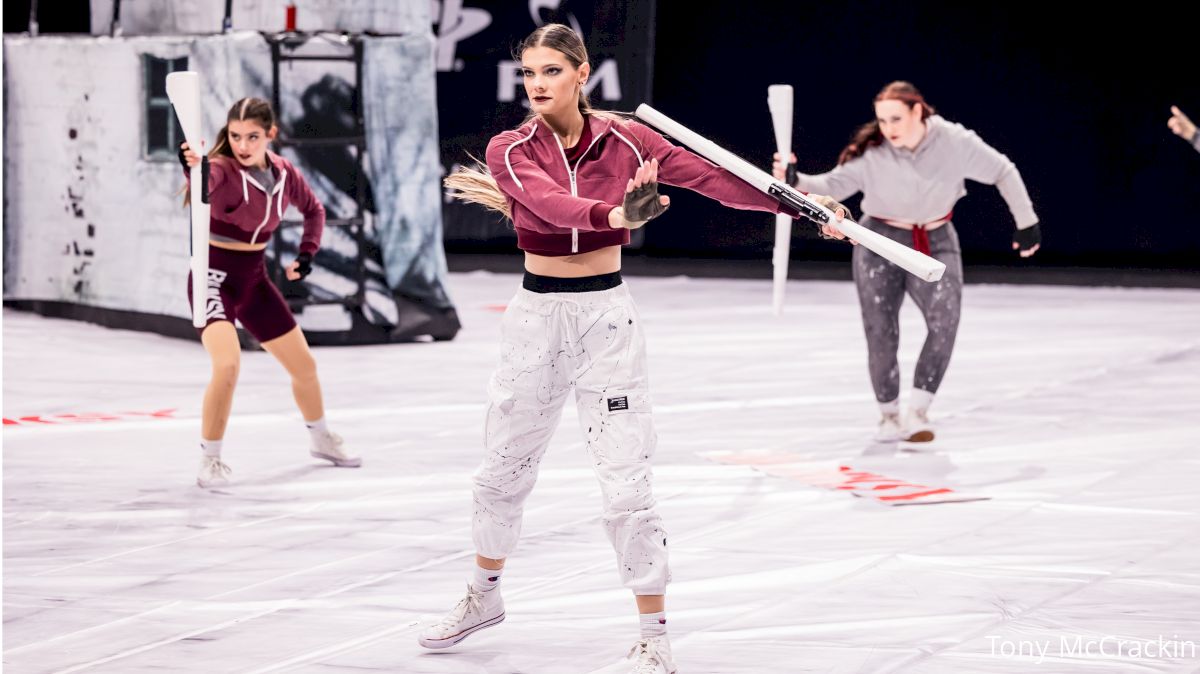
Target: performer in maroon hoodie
x: 249, y: 189
x: 574, y: 181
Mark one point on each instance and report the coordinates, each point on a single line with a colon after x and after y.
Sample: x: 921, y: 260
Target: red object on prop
x: 291, y: 19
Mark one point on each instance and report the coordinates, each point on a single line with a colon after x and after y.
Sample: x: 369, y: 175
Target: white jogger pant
x: 551, y: 342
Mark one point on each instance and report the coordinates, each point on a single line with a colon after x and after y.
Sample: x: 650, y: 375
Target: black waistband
x: 586, y: 284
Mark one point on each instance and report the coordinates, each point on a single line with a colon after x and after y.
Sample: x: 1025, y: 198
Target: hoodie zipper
x: 571, y: 174
x: 278, y: 187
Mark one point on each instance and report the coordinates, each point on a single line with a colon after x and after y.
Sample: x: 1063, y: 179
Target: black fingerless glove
x: 1027, y: 238
x: 304, y: 264
x: 642, y: 203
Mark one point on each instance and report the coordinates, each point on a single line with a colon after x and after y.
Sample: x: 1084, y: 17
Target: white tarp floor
x: 1053, y: 525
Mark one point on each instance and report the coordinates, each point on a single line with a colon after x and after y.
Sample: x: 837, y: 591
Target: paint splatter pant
x: 881, y: 289
x: 592, y: 342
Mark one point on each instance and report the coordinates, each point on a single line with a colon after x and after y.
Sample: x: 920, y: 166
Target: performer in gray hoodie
x: 910, y: 165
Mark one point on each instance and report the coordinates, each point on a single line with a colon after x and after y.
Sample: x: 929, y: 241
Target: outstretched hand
x: 829, y: 231
x: 642, y: 200
x: 1180, y: 125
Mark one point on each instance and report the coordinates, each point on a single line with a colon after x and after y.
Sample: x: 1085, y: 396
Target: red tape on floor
x: 86, y: 418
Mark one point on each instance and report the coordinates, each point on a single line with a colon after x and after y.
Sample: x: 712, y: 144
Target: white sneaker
x: 889, y: 429
x: 917, y: 427
x: 652, y: 655
x: 476, y: 611
x: 213, y: 472
x: 331, y: 447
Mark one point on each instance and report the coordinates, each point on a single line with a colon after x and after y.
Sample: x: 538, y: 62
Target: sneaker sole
x: 343, y: 463
x: 921, y: 436
x: 450, y: 641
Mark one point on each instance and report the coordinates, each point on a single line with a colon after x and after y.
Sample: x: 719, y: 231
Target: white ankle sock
x: 920, y: 399
x: 653, y: 624
x: 211, y: 447
x: 486, y: 579
x: 318, y: 428
x: 892, y: 407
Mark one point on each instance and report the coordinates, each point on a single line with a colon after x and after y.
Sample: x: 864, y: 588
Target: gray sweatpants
x: 881, y: 289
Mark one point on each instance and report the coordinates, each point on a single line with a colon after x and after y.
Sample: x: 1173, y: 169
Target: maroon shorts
x: 239, y: 290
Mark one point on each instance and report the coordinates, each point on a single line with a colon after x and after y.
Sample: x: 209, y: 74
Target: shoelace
x: 333, y: 444
x: 647, y: 656
x: 218, y: 468
x: 473, y: 600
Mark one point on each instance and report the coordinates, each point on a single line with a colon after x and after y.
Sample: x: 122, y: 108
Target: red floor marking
x: 87, y: 417
x: 920, y: 494
x: 843, y: 478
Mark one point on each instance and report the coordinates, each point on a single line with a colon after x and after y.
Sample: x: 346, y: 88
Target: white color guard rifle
x: 183, y: 88
x: 918, y: 264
